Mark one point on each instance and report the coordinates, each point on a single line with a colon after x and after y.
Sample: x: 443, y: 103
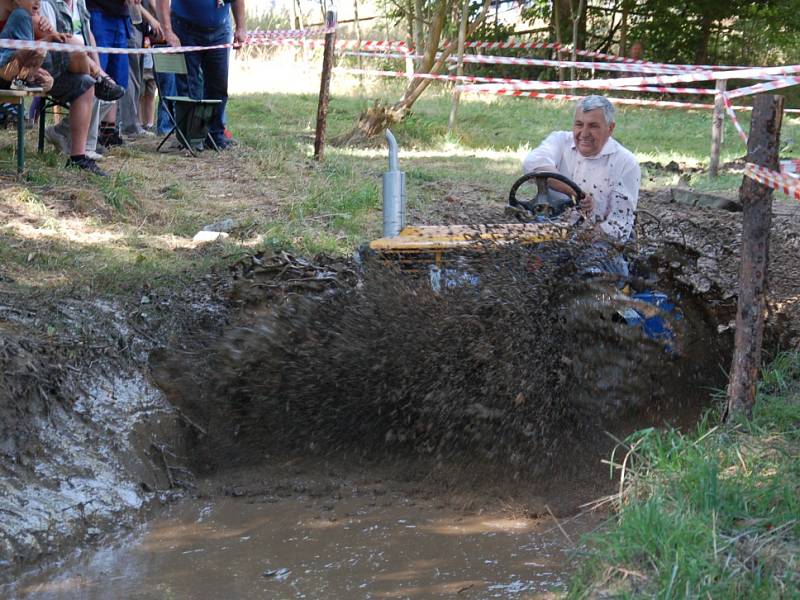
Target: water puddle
x: 370, y: 546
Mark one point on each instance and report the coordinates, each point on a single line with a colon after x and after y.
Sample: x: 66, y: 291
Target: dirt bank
x: 86, y: 436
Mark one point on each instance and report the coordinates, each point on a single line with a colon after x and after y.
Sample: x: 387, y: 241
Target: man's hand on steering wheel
x: 586, y: 204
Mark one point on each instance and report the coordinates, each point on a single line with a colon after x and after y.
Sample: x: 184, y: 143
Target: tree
x: 378, y: 117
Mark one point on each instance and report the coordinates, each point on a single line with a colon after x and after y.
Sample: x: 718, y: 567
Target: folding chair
x: 190, y: 118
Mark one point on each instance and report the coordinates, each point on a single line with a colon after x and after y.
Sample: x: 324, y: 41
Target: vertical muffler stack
x: 394, y: 192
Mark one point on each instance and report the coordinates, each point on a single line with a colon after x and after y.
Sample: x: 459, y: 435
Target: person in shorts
x: 22, y: 69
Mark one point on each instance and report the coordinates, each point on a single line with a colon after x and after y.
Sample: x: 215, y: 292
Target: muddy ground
x: 106, y: 407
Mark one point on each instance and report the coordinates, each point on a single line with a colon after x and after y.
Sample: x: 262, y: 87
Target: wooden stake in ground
x: 756, y: 199
x: 716, y: 128
x: 325, y: 86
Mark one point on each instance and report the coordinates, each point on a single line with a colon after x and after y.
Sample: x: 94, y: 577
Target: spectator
x: 20, y: 69
x: 78, y: 32
x: 112, y: 28
x: 205, y: 23
x: 147, y: 98
x: 636, y: 51
x: 130, y: 104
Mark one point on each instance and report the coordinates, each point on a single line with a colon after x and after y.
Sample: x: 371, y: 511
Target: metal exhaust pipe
x: 394, y: 192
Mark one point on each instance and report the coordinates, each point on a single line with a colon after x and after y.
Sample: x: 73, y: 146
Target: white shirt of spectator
x: 612, y: 176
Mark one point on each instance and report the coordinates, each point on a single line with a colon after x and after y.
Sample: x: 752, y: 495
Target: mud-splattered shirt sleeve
x: 547, y: 155
x: 622, y: 200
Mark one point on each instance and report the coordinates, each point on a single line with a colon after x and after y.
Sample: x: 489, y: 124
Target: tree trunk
x: 559, y: 37
x: 576, y: 21
x: 756, y: 198
x: 357, y: 25
x: 418, y: 27
x: 378, y: 117
x: 462, y: 37
x: 623, y: 28
x: 701, y: 50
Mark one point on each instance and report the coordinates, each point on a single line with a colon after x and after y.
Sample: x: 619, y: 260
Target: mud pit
x: 321, y: 367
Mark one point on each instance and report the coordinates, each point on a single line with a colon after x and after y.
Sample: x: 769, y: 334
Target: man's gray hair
x: 594, y: 102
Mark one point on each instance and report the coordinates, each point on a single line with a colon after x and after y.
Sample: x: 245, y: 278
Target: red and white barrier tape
x: 253, y: 38
x: 778, y: 181
x: 621, y: 59
x: 791, y: 167
x: 729, y: 109
x: 435, y: 76
x: 289, y: 33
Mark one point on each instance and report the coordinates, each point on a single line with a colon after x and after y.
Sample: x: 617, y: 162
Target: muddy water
x: 362, y: 546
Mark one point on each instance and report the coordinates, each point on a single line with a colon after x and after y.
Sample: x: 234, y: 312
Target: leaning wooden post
x: 716, y: 127
x: 325, y: 85
x: 756, y: 199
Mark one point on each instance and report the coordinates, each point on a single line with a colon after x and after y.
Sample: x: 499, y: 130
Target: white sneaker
x: 94, y: 155
x: 52, y: 135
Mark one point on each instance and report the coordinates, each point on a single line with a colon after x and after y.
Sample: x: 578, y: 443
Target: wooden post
x: 462, y: 40
x: 325, y: 86
x: 756, y: 199
x: 716, y: 128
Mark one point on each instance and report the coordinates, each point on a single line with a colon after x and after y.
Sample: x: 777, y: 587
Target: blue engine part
x: 655, y: 327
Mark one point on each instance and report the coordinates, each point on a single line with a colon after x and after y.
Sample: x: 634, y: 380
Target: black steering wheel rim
x: 542, y: 189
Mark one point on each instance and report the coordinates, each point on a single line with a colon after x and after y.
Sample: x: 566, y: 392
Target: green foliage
x: 710, y: 514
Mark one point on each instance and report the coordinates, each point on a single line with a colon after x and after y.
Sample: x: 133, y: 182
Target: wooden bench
x: 17, y: 97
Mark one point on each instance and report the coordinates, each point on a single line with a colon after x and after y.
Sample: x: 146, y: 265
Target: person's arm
x: 240, y: 33
x: 162, y: 10
x: 546, y: 156
x: 624, y: 197
x: 158, y: 32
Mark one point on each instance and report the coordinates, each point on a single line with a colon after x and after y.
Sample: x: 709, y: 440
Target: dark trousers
x: 207, y: 77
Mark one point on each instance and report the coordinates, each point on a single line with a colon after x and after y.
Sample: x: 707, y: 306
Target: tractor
x: 639, y: 325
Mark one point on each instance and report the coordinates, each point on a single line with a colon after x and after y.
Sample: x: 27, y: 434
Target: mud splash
x: 500, y: 364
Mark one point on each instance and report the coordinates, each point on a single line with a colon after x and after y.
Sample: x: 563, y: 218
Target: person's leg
x: 147, y: 100
x: 166, y: 86
x: 191, y: 84
x: 129, y: 103
x: 215, y: 80
x: 111, y: 32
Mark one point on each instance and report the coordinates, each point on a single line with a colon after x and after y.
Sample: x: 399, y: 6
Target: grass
x: 278, y: 195
x: 710, y: 514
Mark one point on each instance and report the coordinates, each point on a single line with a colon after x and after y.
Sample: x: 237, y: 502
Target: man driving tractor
x: 608, y: 174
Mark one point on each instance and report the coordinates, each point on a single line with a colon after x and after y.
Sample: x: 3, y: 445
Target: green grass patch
x: 710, y: 514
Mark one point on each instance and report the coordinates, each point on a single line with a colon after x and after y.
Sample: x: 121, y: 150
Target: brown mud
x: 507, y: 385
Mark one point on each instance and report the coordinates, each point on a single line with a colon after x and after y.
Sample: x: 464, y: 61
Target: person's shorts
x: 112, y: 32
x: 148, y: 83
x: 69, y: 86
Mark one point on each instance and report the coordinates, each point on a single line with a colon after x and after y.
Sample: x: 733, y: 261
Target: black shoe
x: 225, y: 144
x: 87, y: 164
x: 108, y: 89
x: 110, y: 139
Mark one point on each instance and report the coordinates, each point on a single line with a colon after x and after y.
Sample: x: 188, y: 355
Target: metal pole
x: 325, y: 86
x: 716, y: 127
x: 20, y: 136
x: 756, y: 199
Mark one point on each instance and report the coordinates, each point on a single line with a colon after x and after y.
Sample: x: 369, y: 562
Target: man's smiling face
x: 590, y: 131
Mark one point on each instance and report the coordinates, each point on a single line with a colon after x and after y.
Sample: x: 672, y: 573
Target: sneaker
x: 59, y: 140
x: 137, y: 133
x: 94, y: 155
x: 224, y: 144
x: 110, y: 139
x: 21, y: 85
x: 107, y: 89
x: 87, y: 164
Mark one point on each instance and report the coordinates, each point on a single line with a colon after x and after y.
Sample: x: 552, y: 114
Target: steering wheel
x: 546, y: 203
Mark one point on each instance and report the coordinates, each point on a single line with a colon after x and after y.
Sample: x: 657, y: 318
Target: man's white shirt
x: 612, y: 177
